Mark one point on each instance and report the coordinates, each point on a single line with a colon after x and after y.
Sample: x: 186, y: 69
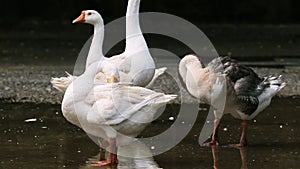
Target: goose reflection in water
x: 136, y: 155
x: 215, y: 154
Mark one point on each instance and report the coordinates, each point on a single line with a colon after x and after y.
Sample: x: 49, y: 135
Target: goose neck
x: 95, y: 53
x: 84, y: 83
x: 133, y: 7
x: 132, y: 19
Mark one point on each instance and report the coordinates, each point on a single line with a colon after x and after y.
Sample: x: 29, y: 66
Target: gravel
x: 25, y: 84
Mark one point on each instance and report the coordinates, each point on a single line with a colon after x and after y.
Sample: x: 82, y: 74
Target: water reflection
x: 215, y: 155
x: 135, y: 149
x: 38, y: 136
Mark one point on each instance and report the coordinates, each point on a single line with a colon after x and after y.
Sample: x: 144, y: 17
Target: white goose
x: 110, y: 111
x: 95, y: 54
x: 246, y: 93
x: 138, y: 62
x: 135, y: 64
x: 136, y: 44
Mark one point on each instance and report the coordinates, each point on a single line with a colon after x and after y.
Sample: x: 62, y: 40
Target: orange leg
x: 214, y: 137
x: 112, y: 157
x: 243, y: 139
x: 103, y: 144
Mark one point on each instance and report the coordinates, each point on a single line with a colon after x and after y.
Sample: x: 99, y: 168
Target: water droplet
x: 202, y: 109
x: 254, y: 121
x: 152, y: 147
x: 281, y: 126
x: 171, y: 118
x: 225, y: 129
x: 30, y: 120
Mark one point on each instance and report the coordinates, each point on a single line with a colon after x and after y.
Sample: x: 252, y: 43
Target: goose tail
x: 157, y: 73
x: 273, y: 84
x: 62, y: 83
x: 159, y: 98
x: 274, y: 81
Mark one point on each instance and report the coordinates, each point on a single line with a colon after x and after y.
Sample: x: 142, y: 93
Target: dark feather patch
x: 245, y: 80
x: 247, y: 84
x: 247, y: 104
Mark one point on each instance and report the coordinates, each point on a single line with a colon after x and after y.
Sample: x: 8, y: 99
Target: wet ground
x: 37, y: 136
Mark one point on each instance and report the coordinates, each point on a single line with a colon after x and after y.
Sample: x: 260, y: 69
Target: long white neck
x: 134, y: 36
x: 133, y: 7
x: 95, y: 53
x: 84, y: 83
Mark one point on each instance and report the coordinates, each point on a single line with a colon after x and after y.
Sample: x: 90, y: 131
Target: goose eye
x: 89, y: 13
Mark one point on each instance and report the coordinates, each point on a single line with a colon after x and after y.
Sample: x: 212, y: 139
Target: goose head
x: 89, y: 16
x: 107, y: 73
x: 111, y: 72
x: 185, y: 63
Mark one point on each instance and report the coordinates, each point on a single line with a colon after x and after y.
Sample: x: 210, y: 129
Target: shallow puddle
x: 37, y: 136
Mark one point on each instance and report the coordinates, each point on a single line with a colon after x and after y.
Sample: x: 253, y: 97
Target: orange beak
x: 113, y: 79
x: 80, y: 18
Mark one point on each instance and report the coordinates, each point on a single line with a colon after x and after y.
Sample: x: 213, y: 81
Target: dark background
x: 41, y: 32
x: 207, y: 11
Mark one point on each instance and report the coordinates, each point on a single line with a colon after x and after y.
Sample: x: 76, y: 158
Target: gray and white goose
x: 230, y: 88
